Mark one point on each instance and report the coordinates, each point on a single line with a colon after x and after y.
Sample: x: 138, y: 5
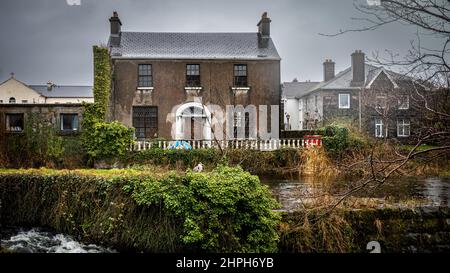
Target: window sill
x: 69, y: 132
x: 240, y: 90
x: 145, y: 88
x: 189, y: 88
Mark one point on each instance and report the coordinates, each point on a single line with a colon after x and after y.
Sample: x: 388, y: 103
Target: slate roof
x: 342, y: 80
x: 184, y: 45
x: 297, y: 89
x: 64, y: 91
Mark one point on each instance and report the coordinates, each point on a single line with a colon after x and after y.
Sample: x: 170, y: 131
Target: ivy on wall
x: 102, y: 79
x: 103, y: 140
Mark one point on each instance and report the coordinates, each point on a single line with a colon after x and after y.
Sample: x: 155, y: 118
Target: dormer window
x: 403, y: 102
x: 240, y: 75
x: 145, y: 75
x: 193, y: 75
x: 12, y: 100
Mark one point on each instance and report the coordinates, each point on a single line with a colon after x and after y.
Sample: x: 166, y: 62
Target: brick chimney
x: 264, y: 31
x: 115, y: 29
x: 328, y: 70
x: 358, y: 68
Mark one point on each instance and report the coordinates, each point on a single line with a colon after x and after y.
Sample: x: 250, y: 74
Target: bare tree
x: 426, y: 73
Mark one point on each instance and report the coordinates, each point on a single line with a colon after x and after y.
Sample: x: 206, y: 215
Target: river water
x: 38, y: 240
x: 431, y: 191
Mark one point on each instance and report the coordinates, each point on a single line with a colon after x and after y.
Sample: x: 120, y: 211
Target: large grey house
x: 163, y: 80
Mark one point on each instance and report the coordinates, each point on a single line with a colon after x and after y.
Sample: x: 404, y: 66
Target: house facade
x: 168, y: 85
x: 59, y: 106
x: 372, y: 98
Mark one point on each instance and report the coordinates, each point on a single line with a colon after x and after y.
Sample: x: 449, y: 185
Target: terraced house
x: 163, y: 82
x: 372, y: 98
x: 59, y: 106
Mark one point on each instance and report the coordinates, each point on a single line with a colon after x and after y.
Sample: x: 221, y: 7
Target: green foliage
x: 227, y: 210
x: 40, y: 145
x: 103, y: 140
x: 102, y: 79
x: 280, y: 161
x: 188, y: 158
x: 339, y: 138
x: 108, y: 140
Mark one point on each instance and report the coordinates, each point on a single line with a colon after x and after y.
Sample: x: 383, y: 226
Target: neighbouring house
x: 372, y: 98
x: 163, y: 82
x: 291, y: 93
x: 60, y: 106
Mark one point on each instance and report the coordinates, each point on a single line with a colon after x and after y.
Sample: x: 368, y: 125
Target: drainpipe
x: 360, y: 114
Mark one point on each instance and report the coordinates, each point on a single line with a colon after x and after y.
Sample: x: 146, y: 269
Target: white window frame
x: 348, y: 96
x: 403, y: 101
x: 402, y: 123
x: 379, y: 123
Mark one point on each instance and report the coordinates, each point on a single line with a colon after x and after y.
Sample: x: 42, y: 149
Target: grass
x: 148, y: 170
x: 422, y: 147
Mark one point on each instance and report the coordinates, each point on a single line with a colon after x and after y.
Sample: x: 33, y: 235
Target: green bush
x: 109, y: 140
x: 227, y: 210
x: 339, y: 138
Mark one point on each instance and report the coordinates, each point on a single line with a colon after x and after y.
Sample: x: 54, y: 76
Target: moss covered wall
x: 425, y: 229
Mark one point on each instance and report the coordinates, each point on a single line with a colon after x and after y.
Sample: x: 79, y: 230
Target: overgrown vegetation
x: 277, y: 162
x: 103, y: 140
x: 41, y: 144
x: 226, y: 210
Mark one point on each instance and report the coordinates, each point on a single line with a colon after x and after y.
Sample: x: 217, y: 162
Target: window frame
x: 238, y: 79
x: 145, y: 80
x: 383, y: 130
x: 403, y: 124
x: 193, y: 80
x: 12, y: 100
x: 150, y: 123
x: 7, y: 122
x: 61, y: 123
x: 401, y: 102
x: 339, y: 100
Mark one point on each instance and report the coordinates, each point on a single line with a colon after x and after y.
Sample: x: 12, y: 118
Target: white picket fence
x: 250, y: 144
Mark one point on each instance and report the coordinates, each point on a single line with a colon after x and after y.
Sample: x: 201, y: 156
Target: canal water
x: 432, y: 191
x: 38, y: 240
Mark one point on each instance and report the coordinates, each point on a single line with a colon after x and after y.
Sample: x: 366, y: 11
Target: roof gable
x: 13, y: 87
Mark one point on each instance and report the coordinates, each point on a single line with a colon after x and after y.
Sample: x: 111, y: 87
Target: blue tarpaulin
x: 181, y: 145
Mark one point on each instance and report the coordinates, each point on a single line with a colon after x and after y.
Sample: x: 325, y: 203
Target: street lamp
x: 288, y: 124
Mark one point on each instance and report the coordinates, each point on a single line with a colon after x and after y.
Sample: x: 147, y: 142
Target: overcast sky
x: 45, y: 40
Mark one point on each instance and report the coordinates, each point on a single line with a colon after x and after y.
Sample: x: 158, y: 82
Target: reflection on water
x: 39, y: 241
x: 433, y: 191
